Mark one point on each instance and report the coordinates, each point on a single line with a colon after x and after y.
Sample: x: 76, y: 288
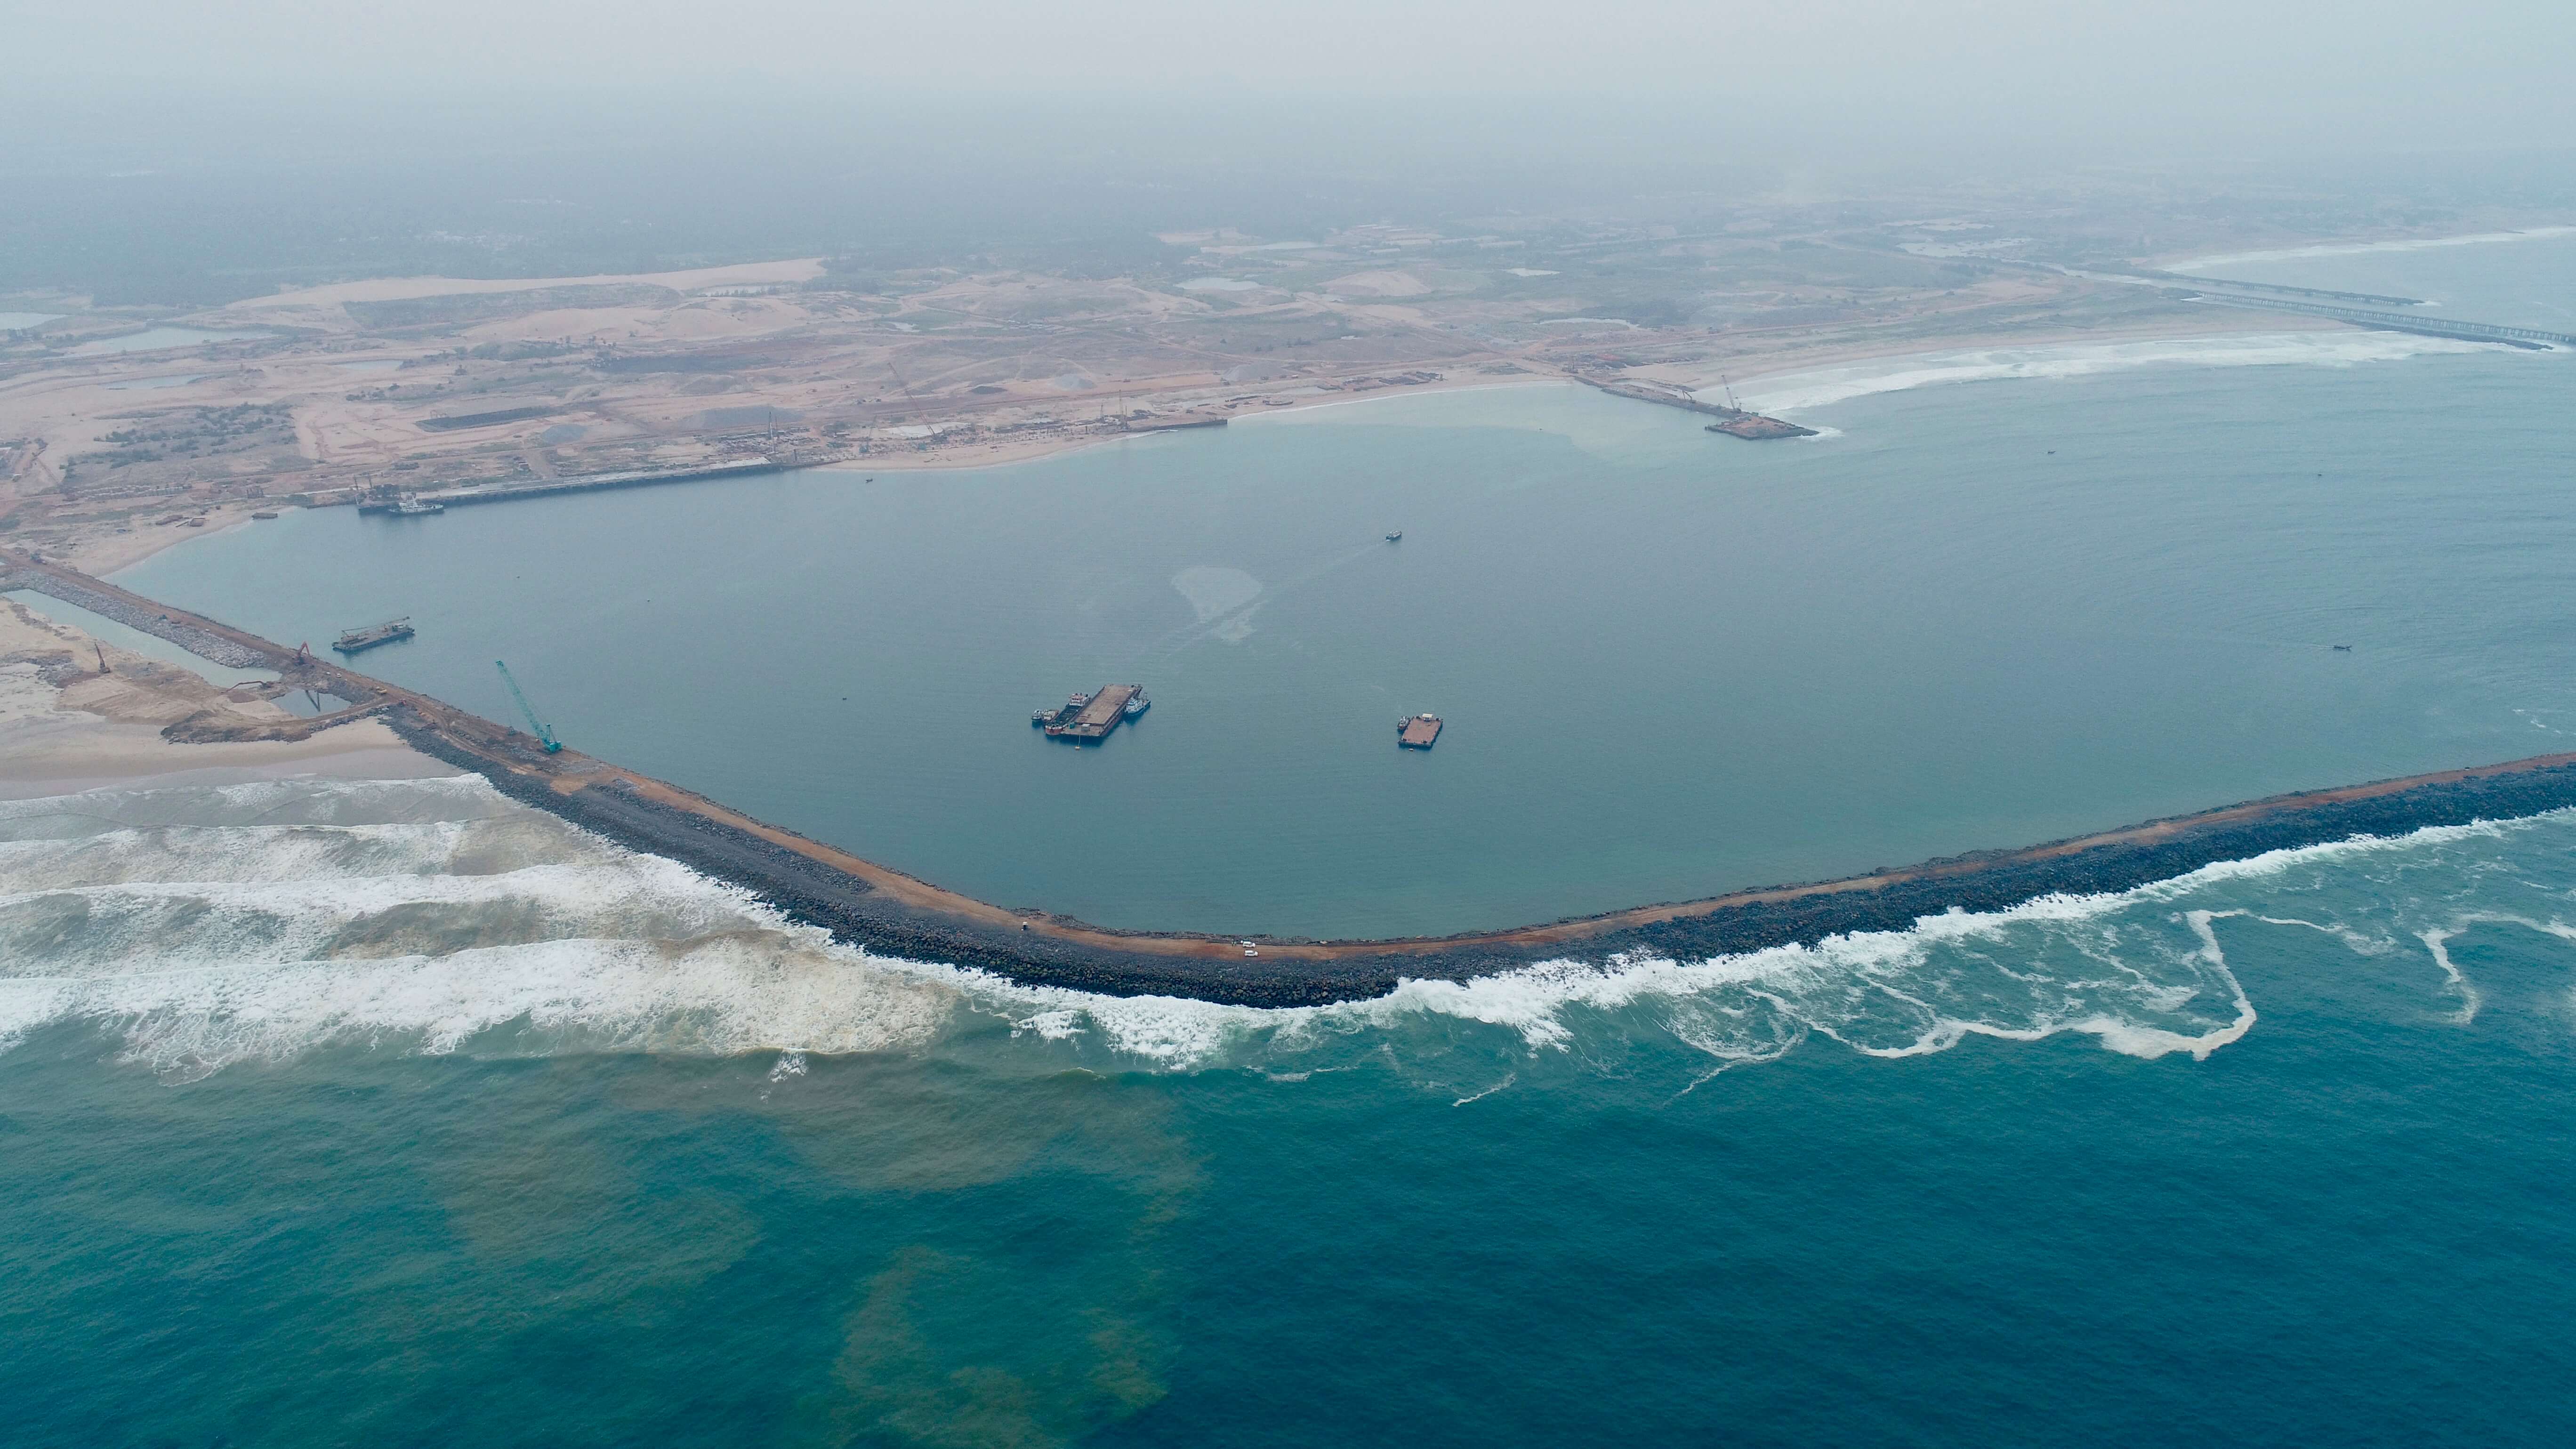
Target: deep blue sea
x: 393, y: 1113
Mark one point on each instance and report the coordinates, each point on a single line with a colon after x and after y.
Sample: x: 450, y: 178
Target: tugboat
x: 1136, y: 704
x: 1396, y: 537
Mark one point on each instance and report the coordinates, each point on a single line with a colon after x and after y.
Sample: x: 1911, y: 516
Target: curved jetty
x: 891, y: 913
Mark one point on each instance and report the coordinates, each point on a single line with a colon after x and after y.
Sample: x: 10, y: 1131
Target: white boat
x: 1137, y: 704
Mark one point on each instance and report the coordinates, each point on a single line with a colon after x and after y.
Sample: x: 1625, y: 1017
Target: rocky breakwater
x: 889, y: 913
x: 1734, y: 422
x: 124, y: 609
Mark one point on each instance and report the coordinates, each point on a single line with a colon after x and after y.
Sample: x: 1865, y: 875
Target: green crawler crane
x: 545, y: 732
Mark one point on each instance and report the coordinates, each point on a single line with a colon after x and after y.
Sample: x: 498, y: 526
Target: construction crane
x: 913, y: 402
x: 545, y: 732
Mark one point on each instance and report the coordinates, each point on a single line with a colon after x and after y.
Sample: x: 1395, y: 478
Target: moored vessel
x: 353, y: 640
x: 1090, y: 717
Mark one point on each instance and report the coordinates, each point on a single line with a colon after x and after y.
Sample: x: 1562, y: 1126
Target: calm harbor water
x: 1671, y: 664
x: 394, y: 1112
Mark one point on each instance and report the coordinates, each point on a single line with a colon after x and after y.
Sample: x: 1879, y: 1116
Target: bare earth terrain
x: 123, y: 430
x: 66, y: 725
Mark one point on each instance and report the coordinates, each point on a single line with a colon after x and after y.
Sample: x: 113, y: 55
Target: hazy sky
x: 2473, y: 72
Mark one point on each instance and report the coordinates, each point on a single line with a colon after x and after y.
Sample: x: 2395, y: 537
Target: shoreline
x: 1776, y: 362
x: 885, y: 911
x: 106, y: 555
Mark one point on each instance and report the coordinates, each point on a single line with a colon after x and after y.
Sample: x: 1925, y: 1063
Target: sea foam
x: 2346, y: 249
x: 1821, y: 387
x: 436, y: 916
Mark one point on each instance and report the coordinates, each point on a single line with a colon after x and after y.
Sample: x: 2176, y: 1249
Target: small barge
x: 1089, y: 717
x: 387, y: 632
x: 1417, y: 732
x: 1757, y: 428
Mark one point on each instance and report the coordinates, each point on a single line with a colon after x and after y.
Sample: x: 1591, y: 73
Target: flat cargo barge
x: 356, y: 640
x: 1086, y: 719
x: 1417, y: 732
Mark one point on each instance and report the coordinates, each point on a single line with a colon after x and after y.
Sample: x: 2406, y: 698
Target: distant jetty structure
x: 2398, y: 321
x: 1732, y: 421
x: 441, y: 499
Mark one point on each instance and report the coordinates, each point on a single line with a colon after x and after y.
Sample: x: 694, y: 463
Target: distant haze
x: 2194, y: 73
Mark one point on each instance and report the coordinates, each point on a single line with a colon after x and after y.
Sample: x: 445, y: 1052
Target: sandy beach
x: 65, y: 727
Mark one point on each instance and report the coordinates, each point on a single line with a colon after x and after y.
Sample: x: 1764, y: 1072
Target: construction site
x: 408, y: 396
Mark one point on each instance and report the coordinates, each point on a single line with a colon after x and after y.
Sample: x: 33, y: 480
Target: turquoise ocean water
x: 338, y: 1112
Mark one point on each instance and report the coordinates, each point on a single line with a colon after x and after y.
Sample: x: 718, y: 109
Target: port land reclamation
x: 885, y: 910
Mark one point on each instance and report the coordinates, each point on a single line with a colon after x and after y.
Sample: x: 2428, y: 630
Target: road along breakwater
x: 891, y: 913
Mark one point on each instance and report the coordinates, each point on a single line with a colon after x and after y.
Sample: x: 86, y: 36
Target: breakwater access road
x: 891, y: 913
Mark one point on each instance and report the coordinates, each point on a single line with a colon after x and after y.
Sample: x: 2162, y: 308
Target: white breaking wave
x: 2140, y: 971
x: 437, y: 916
x: 2346, y: 249
x: 305, y: 801
x: 257, y: 853
x: 420, y: 915
x: 711, y: 996
x: 1797, y: 391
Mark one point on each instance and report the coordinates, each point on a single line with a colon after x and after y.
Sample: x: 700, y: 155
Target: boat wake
x: 203, y: 926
